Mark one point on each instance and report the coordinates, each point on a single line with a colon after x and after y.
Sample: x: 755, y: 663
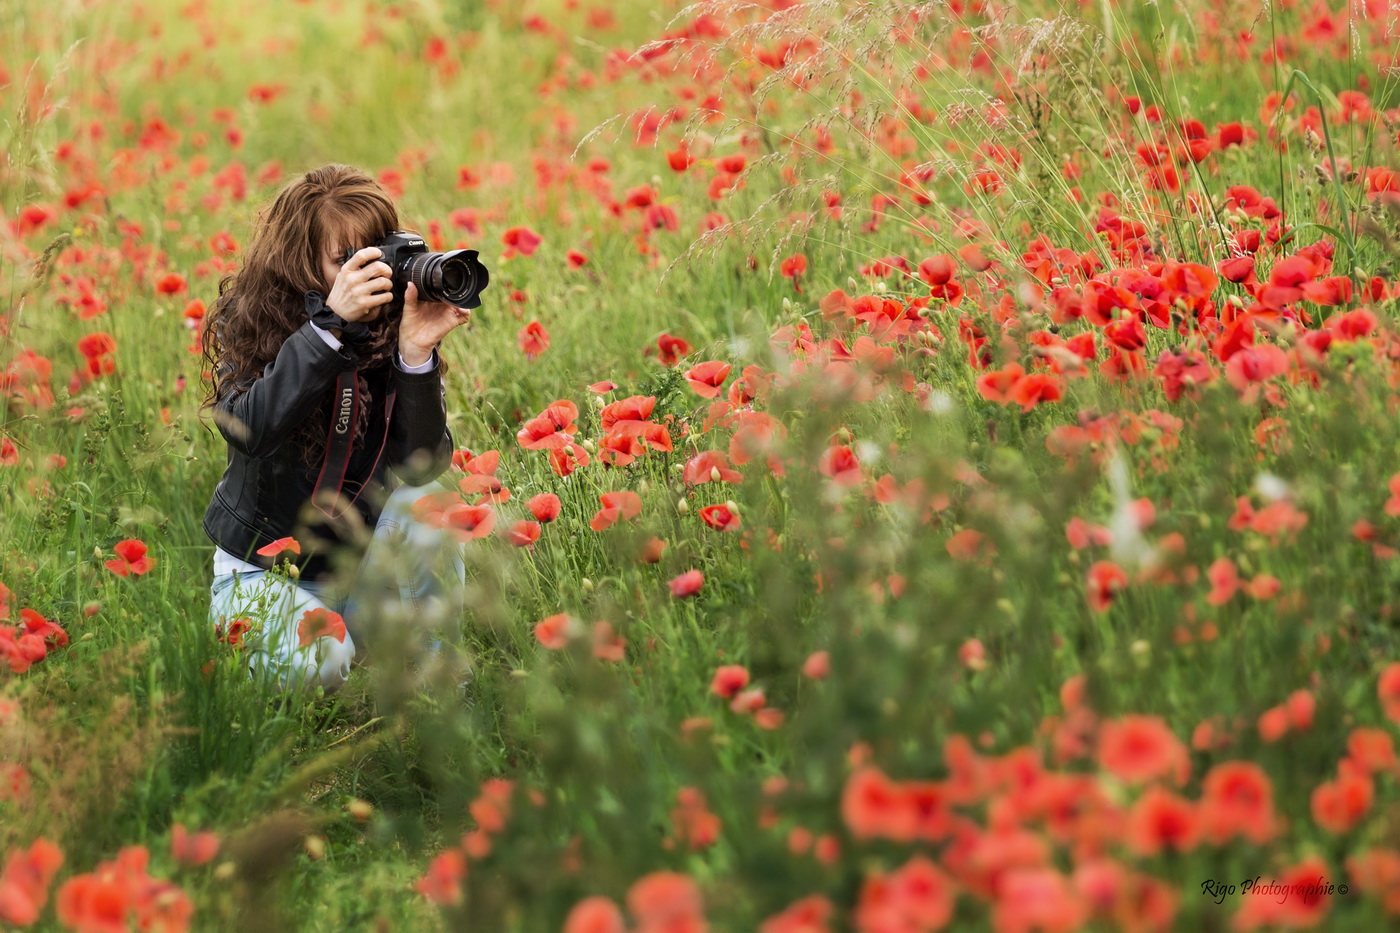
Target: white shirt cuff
x: 421, y: 367
x: 331, y: 340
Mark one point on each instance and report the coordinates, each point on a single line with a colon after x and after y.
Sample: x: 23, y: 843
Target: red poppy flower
x: 320, y: 623
x: 689, y: 583
x: 839, y: 462
x: 872, y: 805
x: 545, y: 507
x: 729, y: 680
x: 755, y: 434
x: 720, y: 517
x: 733, y: 163
x: 969, y: 544
x: 233, y: 635
x: 996, y: 385
x: 484, y: 464
x: 523, y: 533
x: 794, y: 266
x: 637, y: 408
x: 817, y: 666
x: 679, y: 159
x: 486, y: 487
x: 1105, y: 580
x: 469, y: 521
x: 533, y: 339
x: 1139, y: 748
x: 1032, y: 389
x: 131, y: 558
x: 670, y: 349
x: 596, y: 914
x: 565, y: 460
x: 552, y: 429
x: 555, y: 631
x: 280, y: 545
x: 602, y: 388
x: 97, y: 345
x: 616, y: 505
x: 520, y: 241
x: 709, y: 466
x: 665, y: 900
x: 172, y: 283
x: 1237, y: 799
x: 1372, y: 749
x: 443, y: 882
x: 1162, y: 820
x: 1224, y: 581
x: 748, y: 701
x: 706, y: 378
x: 193, y: 849
x: 651, y: 550
x: 937, y: 270
x: 1388, y: 691
x: 607, y: 644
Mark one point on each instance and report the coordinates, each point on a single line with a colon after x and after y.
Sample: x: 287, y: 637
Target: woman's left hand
x: 424, y: 324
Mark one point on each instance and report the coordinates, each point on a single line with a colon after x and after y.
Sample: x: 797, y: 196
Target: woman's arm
x: 256, y: 420
x: 419, y: 444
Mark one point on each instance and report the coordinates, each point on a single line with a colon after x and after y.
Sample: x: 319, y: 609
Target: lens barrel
x: 456, y: 277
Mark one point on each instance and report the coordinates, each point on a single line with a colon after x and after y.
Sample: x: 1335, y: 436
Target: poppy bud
x: 587, y: 585
x: 315, y: 848
x: 589, y: 445
x: 225, y: 871
x: 714, y: 474
x: 682, y: 506
x: 360, y: 809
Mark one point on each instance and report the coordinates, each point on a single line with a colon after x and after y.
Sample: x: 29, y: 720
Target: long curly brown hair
x: 264, y: 302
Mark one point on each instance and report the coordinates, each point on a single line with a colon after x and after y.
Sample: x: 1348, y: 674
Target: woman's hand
x: 362, y: 287
x: 424, y: 325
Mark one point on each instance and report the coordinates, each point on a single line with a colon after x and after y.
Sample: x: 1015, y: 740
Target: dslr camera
x: 456, y: 277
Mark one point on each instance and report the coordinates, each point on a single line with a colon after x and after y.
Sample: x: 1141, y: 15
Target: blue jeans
x: 409, y: 583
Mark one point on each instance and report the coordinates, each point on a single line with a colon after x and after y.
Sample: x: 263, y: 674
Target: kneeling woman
x: 324, y: 400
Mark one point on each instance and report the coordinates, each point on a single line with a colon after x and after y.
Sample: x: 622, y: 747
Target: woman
x: 324, y: 399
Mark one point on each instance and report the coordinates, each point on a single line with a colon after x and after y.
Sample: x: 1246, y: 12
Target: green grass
x: 124, y: 733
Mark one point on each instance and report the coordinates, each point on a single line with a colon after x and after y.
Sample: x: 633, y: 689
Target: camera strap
x: 340, y: 436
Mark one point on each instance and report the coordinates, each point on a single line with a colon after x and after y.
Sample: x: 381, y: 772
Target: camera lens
x: 456, y: 277
x: 453, y: 278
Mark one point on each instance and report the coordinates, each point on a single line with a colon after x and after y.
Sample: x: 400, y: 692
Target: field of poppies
x: 924, y: 466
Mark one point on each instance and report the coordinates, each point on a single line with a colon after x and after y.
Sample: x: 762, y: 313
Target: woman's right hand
x: 362, y: 287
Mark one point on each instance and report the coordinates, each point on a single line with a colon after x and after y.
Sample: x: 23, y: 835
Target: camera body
x: 456, y: 277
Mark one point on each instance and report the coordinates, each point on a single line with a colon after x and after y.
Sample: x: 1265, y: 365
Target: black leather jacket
x: 265, y: 489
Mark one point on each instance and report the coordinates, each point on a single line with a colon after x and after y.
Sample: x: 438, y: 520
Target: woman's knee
x: 274, y: 609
